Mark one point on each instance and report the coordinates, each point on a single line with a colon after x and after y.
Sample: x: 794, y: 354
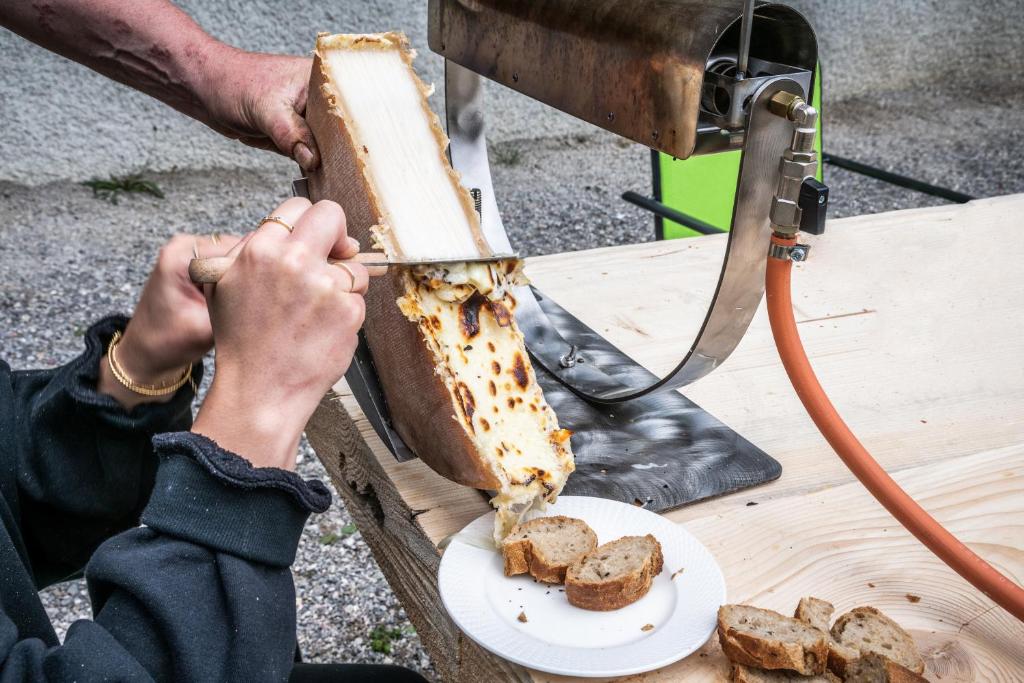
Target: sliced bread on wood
x: 866, y: 629
x: 762, y: 638
x: 841, y: 657
x: 874, y: 668
x: 546, y: 546
x: 748, y: 674
x: 816, y: 612
x: 615, y: 574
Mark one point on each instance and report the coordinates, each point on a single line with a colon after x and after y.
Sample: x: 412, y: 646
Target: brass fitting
x: 783, y: 102
x: 793, y: 107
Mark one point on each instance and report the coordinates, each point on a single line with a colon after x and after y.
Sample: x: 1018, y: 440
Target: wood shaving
x: 522, y: 617
x: 647, y: 627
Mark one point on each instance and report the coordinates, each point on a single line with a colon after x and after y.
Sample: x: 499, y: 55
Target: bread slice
x: 451, y: 360
x: 865, y: 630
x: 816, y: 612
x: 615, y: 574
x: 841, y: 657
x: 762, y: 638
x: 546, y: 546
x: 874, y: 668
x: 746, y: 674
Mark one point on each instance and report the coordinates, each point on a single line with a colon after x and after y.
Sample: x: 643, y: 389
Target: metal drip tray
x: 661, y: 450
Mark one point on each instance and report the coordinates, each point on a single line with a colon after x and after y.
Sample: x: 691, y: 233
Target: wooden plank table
x: 914, y: 322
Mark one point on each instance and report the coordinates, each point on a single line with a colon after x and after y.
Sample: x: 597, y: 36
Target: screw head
x: 798, y: 253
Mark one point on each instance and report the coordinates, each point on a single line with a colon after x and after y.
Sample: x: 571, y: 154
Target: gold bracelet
x: 142, y: 389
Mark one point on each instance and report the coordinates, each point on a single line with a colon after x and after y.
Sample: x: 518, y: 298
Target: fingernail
x: 353, y: 242
x: 303, y: 157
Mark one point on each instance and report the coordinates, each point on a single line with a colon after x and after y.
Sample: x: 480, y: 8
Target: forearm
x: 84, y: 464
x: 263, y: 429
x: 150, y: 45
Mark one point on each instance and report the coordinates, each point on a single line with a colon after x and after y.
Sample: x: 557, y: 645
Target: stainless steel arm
x: 740, y: 285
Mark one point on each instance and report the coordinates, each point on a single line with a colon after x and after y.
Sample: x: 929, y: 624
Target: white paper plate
x: 561, y: 639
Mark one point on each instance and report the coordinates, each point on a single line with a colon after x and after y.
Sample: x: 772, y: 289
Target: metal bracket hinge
x: 796, y: 252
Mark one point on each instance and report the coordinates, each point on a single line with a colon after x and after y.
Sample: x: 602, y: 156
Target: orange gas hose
x: 905, y: 509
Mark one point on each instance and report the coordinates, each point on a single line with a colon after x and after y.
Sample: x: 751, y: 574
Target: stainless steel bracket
x: 741, y: 283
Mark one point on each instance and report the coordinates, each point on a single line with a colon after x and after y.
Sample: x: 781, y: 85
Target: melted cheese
x: 481, y: 354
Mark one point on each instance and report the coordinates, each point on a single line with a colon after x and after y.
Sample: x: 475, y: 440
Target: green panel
x: 705, y: 187
x: 818, y: 104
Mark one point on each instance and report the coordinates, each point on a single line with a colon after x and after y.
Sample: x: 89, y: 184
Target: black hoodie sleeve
x: 202, y: 592
x: 84, y: 465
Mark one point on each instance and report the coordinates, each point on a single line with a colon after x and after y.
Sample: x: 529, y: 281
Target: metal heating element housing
x: 685, y: 77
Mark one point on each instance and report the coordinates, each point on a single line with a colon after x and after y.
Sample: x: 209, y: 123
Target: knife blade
x: 211, y: 269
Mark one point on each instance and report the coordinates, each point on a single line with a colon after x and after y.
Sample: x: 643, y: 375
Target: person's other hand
x: 171, y: 325
x: 260, y: 100
x: 284, y: 324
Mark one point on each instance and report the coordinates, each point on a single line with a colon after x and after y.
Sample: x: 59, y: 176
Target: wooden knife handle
x: 210, y: 270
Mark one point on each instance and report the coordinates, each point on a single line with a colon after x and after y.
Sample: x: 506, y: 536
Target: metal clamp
x: 793, y: 252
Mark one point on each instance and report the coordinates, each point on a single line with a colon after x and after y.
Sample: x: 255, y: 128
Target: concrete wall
x: 61, y: 121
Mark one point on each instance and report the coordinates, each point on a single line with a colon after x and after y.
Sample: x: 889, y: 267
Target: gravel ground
x: 67, y: 258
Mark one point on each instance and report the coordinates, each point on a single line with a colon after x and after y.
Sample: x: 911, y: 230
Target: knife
x: 212, y: 269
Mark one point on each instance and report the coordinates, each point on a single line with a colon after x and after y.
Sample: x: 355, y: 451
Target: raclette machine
x: 685, y: 77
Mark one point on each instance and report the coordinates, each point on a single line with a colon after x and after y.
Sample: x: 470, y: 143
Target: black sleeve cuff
x: 212, y: 497
x: 81, y: 375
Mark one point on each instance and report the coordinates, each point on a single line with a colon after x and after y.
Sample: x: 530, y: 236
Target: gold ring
x: 215, y: 238
x: 276, y: 219
x: 352, y: 275
x: 195, y: 248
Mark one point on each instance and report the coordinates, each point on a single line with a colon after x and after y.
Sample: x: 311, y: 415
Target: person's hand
x: 284, y: 324
x: 260, y: 100
x: 170, y: 327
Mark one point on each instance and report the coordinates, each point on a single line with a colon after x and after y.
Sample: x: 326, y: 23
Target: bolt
x: 798, y: 253
x: 821, y: 199
x: 570, y: 359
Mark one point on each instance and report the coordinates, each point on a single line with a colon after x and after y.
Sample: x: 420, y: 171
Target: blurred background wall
x: 62, y: 121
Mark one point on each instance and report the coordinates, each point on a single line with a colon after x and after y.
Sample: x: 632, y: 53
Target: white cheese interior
x: 385, y: 112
